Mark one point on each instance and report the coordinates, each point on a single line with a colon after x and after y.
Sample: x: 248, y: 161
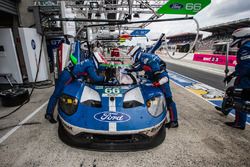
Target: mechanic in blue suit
x: 71, y: 72
x: 242, y: 72
x: 155, y: 70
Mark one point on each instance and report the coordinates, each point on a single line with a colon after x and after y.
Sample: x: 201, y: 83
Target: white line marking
x: 2, y: 139
x: 197, y: 94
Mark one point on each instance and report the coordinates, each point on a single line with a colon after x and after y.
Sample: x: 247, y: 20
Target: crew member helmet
x: 239, y: 35
x: 133, y: 50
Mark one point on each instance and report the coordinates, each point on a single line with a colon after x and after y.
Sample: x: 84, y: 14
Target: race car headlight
x: 92, y: 103
x: 131, y: 104
x: 91, y: 98
x: 133, y: 98
x: 68, y: 104
x: 156, y: 105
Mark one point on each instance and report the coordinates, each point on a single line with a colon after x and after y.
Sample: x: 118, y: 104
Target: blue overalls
x: 242, y: 80
x: 155, y: 69
x: 84, y: 68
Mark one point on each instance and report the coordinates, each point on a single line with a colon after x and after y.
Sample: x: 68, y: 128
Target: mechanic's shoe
x: 224, y: 111
x: 232, y: 124
x: 172, y: 124
x: 218, y: 108
x: 50, y: 119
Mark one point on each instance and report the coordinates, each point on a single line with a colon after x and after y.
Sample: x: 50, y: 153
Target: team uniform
x: 84, y: 68
x: 242, y: 74
x: 155, y: 70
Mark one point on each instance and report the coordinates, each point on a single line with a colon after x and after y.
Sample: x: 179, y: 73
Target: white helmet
x: 132, y: 50
x: 240, y: 34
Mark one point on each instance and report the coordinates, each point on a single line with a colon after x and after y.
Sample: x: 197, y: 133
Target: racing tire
x: 75, y: 141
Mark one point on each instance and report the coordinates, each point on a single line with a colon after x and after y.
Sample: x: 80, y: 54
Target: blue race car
x: 114, y: 116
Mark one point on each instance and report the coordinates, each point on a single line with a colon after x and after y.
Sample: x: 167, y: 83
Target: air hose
x: 193, y: 45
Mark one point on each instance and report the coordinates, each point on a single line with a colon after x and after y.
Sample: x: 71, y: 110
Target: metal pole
x: 143, y: 21
x: 226, y: 66
x: 130, y: 3
x: 193, y: 45
x: 87, y: 20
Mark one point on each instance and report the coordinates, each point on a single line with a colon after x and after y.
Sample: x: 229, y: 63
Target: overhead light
x: 98, y: 14
x: 94, y: 5
x: 136, y: 15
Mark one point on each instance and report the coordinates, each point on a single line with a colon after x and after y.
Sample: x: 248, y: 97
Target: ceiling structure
x: 120, y: 10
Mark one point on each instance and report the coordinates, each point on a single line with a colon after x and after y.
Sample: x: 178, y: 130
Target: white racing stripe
x: 2, y: 139
x: 112, y: 108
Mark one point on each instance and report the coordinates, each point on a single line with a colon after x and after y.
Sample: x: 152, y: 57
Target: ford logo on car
x: 176, y: 6
x: 112, y: 117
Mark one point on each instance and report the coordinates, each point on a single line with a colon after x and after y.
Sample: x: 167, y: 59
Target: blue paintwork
x: 137, y: 118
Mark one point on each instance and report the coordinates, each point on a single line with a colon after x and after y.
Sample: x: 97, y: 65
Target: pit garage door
x: 9, y: 6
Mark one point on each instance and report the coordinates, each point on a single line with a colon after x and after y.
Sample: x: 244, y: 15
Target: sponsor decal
x: 112, y: 117
x: 187, y: 7
x: 176, y: 6
x: 33, y: 44
x: 245, y: 57
x: 112, y: 92
x: 98, y: 87
x: 215, y: 59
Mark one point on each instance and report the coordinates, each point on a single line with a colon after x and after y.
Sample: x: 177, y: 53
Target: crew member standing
x: 242, y: 72
x: 155, y: 70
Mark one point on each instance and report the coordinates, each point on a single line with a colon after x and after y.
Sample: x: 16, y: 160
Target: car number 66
x: 112, y: 90
x: 193, y: 6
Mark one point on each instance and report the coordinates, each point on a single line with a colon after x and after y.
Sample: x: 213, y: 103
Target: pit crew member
x: 242, y: 72
x: 71, y: 72
x: 155, y: 70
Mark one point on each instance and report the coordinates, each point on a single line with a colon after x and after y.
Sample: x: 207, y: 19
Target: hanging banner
x: 215, y: 59
x: 140, y: 32
x: 187, y: 7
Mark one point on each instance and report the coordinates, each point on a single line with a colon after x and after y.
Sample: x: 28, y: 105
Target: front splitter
x: 111, y: 143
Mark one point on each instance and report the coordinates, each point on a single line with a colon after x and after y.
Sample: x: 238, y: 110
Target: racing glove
x: 161, y: 82
x: 156, y: 84
x: 50, y: 118
x: 229, y: 78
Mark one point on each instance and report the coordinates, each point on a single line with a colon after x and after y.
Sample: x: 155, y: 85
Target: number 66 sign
x: 190, y: 7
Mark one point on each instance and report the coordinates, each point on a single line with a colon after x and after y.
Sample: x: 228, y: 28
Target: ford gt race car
x: 114, y: 116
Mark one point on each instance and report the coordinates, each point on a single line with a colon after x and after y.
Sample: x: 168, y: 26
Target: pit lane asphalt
x: 202, y: 139
x: 208, y: 78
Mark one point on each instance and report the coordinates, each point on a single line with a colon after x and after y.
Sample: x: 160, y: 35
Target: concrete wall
x: 26, y: 18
